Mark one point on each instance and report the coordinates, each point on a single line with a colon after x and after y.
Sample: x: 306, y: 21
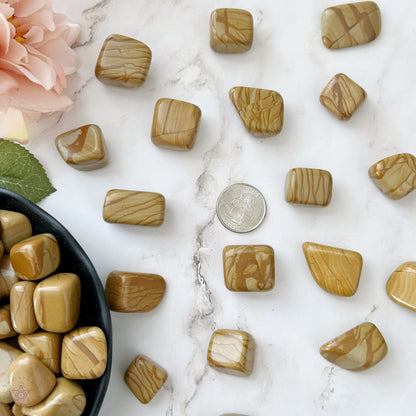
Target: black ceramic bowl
x: 94, y: 309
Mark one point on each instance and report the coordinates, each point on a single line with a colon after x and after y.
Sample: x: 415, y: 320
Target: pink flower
x: 35, y: 58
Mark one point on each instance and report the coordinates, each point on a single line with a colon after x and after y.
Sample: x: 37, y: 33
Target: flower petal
x: 4, y: 35
x: 12, y: 126
x: 61, y: 53
x: 7, y: 83
x: 25, y: 8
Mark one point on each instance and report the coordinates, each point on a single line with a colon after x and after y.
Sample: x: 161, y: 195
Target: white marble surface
x: 291, y: 322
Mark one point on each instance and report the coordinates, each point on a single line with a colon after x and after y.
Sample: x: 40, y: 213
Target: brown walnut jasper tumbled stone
x: 7, y: 356
x: 14, y: 227
x: 21, y: 307
x: 401, y: 286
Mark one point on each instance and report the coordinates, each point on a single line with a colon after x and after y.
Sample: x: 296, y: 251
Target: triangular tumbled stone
x: 401, y: 286
x: 336, y: 270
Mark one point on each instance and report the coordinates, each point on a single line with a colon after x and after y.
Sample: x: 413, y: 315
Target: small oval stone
x: 6, y: 328
x: 21, y: 307
x: 7, y: 276
x: 14, y: 227
x: 401, y: 286
x: 7, y: 356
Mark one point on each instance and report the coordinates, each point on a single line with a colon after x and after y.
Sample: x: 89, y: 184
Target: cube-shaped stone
x: 123, y: 62
x: 83, y: 148
x: 342, y: 96
x: 145, y: 378
x: 231, y: 30
x: 308, y: 186
x: 14, y: 227
x: 232, y: 352
x: 134, y: 207
x: 260, y: 110
x: 395, y: 175
x: 248, y: 268
x: 175, y: 124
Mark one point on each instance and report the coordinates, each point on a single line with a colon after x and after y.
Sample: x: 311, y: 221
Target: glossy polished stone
x: 7, y: 356
x: 7, y: 276
x: 357, y: 349
x: 57, y: 302
x: 44, y: 345
x: 5, y: 410
x: 232, y: 352
x: 336, y: 270
x: 36, y: 257
x: 30, y: 380
x: 134, y: 292
x: 67, y: 399
x: 14, y: 227
x: 17, y: 410
x: 350, y: 24
x: 6, y: 328
x: 84, y: 353
x: 307, y: 186
x: 248, y: 268
x: 123, y: 62
x: 175, y: 124
x: 342, y: 96
x: 401, y: 286
x: 395, y: 175
x: 21, y: 307
x: 260, y: 110
x: 83, y: 148
x: 145, y: 378
x: 134, y: 207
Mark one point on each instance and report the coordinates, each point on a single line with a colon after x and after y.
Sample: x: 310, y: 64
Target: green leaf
x: 22, y: 173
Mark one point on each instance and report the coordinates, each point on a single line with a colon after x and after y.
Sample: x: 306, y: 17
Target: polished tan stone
x: 84, y: 353
x: 395, y: 175
x: 7, y: 276
x: 5, y: 410
x: 6, y: 328
x: 36, y: 257
x: 307, y: 186
x: 57, y: 302
x: 336, y: 270
x: 134, y: 207
x: 14, y: 227
x: 231, y: 30
x: 342, y: 96
x: 350, y: 24
x: 145, y: 378
x: 83, y: 148
x: 123, y: 62
x: 261, y: 111
x: 17, y: 410
x: 7, y: 356
x: 134, y: 292
x: 401, y: 286
x: 248, y: 268
x: 232, y: 352
x: 357, y: 349
x: 21, y: 307
x: 30, y: 380
x: 67, y: 399
x: 44, y: 345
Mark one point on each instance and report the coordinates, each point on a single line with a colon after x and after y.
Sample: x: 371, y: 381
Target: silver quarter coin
x: 241, y: 208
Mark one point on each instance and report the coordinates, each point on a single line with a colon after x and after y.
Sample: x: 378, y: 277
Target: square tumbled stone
x: 308, y: 186
x: 231, y: 30
x: 175, y: 124
x: 145, y: 378
x: 248, y: 268
x: 83, y: 148
x: 342, y: 96
x: 231, y: 352
x: 134, y: 207
x: 123, y: 62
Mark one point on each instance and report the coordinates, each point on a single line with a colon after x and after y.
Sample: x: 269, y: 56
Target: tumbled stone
x: 336, y: 270
x: 123, y: 62
x: 14, y: 227
x: 232, y: 352
x: 44, y: 345
x: 21, y: 307
x: 261, y: 111
x: 7, y: 276
x: 395, y: 175
x: 67, y: 399
x: 134, y: 207
x: 5, y: 410
x: 134, y: 292
x: 342, y: 96
x: 357, y: 349
x: 307, y: 186
x: 350, y: 24
x: 401, y: 286
x: 84, y: 353
x: 36, y: 257
x: 83, y: 148
x: 248, y: 268
x: 6, y: 328
x: 17, y: 410
x: 30, y: 380
x: 7, y: 355
x: 175, y: 124
x: 145, y: 378
x: 57, y: 302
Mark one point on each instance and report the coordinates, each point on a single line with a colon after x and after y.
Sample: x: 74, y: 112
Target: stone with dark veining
x: 7, y: 276
x: 14, y: 227
x: 21, y: 307
x: 401, y: 286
